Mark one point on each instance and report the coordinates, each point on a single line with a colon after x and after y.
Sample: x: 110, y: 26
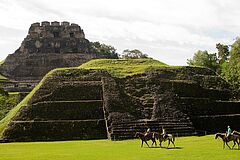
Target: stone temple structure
x: 48, y: 46
x: 91, y: 104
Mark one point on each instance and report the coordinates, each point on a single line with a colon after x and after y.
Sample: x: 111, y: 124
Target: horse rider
x: 163, y: 133
x: 229, y: 132
x: 148, y: 131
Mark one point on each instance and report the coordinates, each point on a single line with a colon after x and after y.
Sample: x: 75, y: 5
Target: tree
x: 133, y: 54
x: 104, y: 50
x: 231, y: 69
x: 203, y: 58
x: 223, y: 53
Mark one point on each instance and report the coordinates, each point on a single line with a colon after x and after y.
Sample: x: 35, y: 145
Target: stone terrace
x: 90, y: 104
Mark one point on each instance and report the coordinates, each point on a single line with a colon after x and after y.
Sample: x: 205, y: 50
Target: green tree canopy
x: 203, y: 58
x: 223, y: 53
x: 231, y: 69
x: 106, y: 51
x: 133, y: 54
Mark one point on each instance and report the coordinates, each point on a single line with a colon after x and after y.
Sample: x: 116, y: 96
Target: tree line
x: 109, y: 51
x: 226, y: 62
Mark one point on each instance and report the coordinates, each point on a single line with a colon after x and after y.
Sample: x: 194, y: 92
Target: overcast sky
x: 167, y: 30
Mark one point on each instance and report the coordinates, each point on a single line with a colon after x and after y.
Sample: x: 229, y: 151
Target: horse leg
x: 142, y: 144
x: 147, y: 144
x: 154, y: 142
x: 228, y: 145
x: 233, y: 144
x: 238, y: 144
x: 173, y: 143
x: 160, y: 143
x: 168, y: 143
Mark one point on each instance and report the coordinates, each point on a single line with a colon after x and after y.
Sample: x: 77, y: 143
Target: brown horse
x: 236, y: 132
x: 233, y: 138
x: 162, y: 137
x: 146, y: 137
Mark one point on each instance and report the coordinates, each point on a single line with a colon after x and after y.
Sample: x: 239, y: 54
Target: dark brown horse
x: 146, y: 137
x: 164, y: 137
x: 236, y: 132
x: 226, y: 139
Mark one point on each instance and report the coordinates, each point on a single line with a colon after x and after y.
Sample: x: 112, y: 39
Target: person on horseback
x: 163, y: 133
x: 148, y: 131
x: 229, y: 132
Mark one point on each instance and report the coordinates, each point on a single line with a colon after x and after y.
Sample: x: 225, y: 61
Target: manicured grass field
x: 187, y: 148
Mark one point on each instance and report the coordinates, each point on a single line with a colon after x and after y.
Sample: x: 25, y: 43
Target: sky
x: 167, y: 30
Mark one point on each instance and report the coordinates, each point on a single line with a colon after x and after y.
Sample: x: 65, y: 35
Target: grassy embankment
x: 12, y: 112
x: 123, y: 67
x: 116, y: 67
x: 187, y: 148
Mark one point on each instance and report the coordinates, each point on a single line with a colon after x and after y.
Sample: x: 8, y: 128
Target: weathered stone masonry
x: 48, y: 46
x: 90, y: 104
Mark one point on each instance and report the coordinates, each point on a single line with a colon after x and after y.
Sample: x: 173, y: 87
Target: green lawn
x: 188, y: 148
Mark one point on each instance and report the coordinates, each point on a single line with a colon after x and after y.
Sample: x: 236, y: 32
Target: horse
x: 236, y: 133
x: 226, y: 139
x: 146, y: 137
x: 164, y: 137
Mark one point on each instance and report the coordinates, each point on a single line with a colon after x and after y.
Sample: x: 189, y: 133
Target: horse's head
x: 222, y: 135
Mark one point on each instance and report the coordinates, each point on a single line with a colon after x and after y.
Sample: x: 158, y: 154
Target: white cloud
x: 170, y: 30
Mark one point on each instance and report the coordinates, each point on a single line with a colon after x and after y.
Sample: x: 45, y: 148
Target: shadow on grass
x: 164, y: 147
x: 235, y: 149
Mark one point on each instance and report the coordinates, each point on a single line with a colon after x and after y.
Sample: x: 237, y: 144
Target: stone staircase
x: 127, y: 130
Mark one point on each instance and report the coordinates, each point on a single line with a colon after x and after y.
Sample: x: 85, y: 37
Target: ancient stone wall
x: 67, y: 106
x: 183, y: 101
x: 48, y: 46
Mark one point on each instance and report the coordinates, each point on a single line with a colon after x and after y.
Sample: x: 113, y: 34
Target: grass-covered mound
x: 123, y: 67
x: 118, y: 68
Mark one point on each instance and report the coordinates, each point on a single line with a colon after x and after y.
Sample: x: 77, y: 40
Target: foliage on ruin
x: 226, y: 63
x: 7, y: 102
x: 105, y: 50
x: 133, y: 54
x: 3, y: 78
x: 123, y: 67
x: 1, y: 62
